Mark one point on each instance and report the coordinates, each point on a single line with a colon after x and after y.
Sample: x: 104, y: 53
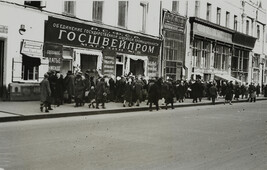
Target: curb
x: 113, y: 111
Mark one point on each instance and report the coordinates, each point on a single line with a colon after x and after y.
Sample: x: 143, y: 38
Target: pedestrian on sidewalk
x: 154, y: 93
x: 213, y: 91
x: 79, y: 90
x: 138, y: 90
x: 252, y: 92
x: 59, y: 89
x: 170, y: 93
x: 45, y: 93
x: 229, y: 93
x: 236, y: 91
x: 128, y: 93
x: 101, y: 93
x: 69, y: 85
x: 258, y: 89
x: 92, y: 97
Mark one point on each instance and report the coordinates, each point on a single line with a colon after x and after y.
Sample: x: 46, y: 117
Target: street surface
x: 220, y: 137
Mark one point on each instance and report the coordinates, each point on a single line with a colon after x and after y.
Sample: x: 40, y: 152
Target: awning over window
x: 227, y: 77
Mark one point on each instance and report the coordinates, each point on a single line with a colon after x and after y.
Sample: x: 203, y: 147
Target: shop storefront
x: 111, y: 51
x: 219, y: 53
x: 173, y: 45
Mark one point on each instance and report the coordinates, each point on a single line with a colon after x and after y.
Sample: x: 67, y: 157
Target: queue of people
x: 81, y: 88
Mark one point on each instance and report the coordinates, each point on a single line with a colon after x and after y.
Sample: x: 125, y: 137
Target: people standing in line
x: 45, y: 93
x: 87, y: 86
x: 69, y: 85
x: 236, y: 91
x: 170, y: 93
x: 229, y: 93
x: 59, y: 89
x: 79, y: 89
x: 101, y: 93
x: 154, y: 93
x: 92, y: 97
x: 112, y: 89
x: 52, y: 81
x: 252, y: 92
x: 128, y: 93
x: 213, y: 91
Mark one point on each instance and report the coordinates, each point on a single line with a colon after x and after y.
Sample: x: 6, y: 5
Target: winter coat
x: 69, y: 84
x: 100, y: 90
x: 139, y: 89
x: 59, y: 88
x: 180, y: 91
x: 213, y: 91
x: 153, y: 92
x: 45, y: 91
x: 229, y: 92
x: 170, y: 93
x: 128, y: 93
x: 79, y: 88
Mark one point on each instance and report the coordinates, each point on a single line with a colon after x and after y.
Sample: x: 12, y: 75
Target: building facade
x: 211, y: 40
x: 77, y: 36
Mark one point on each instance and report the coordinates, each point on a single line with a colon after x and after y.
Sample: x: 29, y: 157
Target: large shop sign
x: 54, y: 54
x: 88, y: 36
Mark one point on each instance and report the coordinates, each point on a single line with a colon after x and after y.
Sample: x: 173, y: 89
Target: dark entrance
x: 88, y: 62
x: 1, y: 68
x: 137, y: 67
x: 119, y: 70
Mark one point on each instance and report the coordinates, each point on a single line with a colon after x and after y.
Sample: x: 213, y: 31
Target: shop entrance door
x: 88, y: 62
x: 1, y: 68
x: 137, y: 67
x: 119, y: 70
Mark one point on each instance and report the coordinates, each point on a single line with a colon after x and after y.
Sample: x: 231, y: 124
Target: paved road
x: 217, y: 137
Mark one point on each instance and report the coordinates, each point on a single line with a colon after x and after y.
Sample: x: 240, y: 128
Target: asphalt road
x: 220, y: 137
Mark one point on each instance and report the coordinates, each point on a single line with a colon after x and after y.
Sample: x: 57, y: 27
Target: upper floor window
x: 69, y: 7
x: 208, y: 16
x: 197, y: 8
x: 258, y: 32
x: 144, y: 6
x: 123, y: 13
x: 218, y: 19
x: 227, y: 19
x: 247, y: 27
x: 235, y: 22
x: 97, y: 10
x: 37, y: 4
x: 175, y: 6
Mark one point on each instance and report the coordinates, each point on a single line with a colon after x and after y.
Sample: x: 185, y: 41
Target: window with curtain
x: 206, y: 54
x: 218, y: 19
x: 175, y: 6
x: 196, y: 60
x: 218, y: 56
x: 122, y: 13
x: 69, y: 7
x: 144, y: 6
x: 98, y: 10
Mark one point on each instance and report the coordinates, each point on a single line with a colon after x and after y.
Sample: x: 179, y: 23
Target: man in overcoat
x: 45, y: 93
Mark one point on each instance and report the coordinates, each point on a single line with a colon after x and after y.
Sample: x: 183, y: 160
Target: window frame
x: 125, y: 17
x: 97, y: 12
x: 69, y: 8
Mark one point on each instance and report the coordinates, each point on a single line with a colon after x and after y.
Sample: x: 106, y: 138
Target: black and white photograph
x: 133, y: 85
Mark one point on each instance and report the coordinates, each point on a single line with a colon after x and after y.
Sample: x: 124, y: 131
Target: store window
x: 197, y: 8
x: 208, y: 14
x: 218, y: 19
x: 123, y: 13
x: 218, y: 56
x: 225, y: 57
x: 98, y: 10
x: 144, y: 6
x: 206, y: 54
x: 227, y: 19
x: 175, y: 6
x: 30, y: 67
x: 196, y: 49
x: 69, y: 7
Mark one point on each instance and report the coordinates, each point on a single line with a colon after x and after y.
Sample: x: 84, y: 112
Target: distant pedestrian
x: 229, y: 93
x: 79, y: 90
x: 128, y: 93
x: 45, y: 93
x: 154, y: 93
x: 69, y: 85
x: 252, y: 92
x: 258, y: 90
x: 92, y: 97
x: 101, y: 93
x: 170, y: 93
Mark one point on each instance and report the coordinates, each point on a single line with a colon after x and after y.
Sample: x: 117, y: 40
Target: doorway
x: 88, y: 62
x: 2, y: 45
x: 137, y: 67
x: 119, y: 70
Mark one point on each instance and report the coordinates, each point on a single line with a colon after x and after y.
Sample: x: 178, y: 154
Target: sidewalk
x: 29, y: 110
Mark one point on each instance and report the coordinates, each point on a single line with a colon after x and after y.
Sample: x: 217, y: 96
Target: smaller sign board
x: 152, y: 67
x: 32, y: 48
x: 54, y: 54
x: 109, y: 62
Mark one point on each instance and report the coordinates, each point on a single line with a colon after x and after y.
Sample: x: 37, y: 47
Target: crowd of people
x: 83, y: 88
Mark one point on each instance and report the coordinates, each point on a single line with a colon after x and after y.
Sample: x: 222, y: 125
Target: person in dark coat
x: 69, y: 85
x: 153, y: 93
x: 229, y: 91
x: 236, y: 91
x: 180, y: 91
x: 223, y: 89
x: 265, y: 90
x: 112, y: 89
x: 128, y: 93
x: 79, y: 89
x: 213, y: 91
x: 52, y: 81
x: 170, y: 93
x: 195, y: 91
x: 258, y: 90
x: 138, y: 90
x: 242, y: 90
x: 59, y: 89
x: 101, y: 93
x: 252, y: 92
x: 45, y: 93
